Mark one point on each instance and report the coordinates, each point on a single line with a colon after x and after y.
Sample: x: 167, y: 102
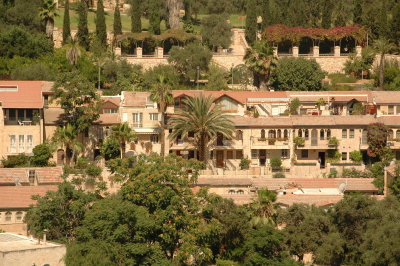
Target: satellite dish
x: 342, y: 188
x: 16, y: 181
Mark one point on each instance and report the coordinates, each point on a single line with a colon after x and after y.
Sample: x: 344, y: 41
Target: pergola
x: 145, y: 41
x: 278, y: 34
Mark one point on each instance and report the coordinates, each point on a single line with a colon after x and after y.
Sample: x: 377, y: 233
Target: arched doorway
x: 60, y: 157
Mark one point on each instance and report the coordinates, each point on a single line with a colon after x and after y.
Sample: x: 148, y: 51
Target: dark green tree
x: 327, y: 15
x: 251, y: 21
x: 41, y: 155
x: 66, y: 23
x: 155, y: 16
x: 215, y: 31
x: 383, y: 21
x: 394, y: 25
x: 83, y: 31
x: 101, y: 28
x: 266, y: 14
x: 136, y: 13
x: 117, y: 20
x: 357, y: 12
x: 340, y: 19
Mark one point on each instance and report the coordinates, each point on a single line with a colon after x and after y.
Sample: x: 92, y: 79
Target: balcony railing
x: 137, y: 124
x: 21, y: 122
x: 271, y: 142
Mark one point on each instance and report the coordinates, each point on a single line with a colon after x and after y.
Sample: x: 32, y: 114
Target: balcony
x: 316, y: 144
x: 270, y: 143
x: 27, y: 122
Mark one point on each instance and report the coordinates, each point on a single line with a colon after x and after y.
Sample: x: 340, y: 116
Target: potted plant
x: 320, y: 103
x: 271, y: 141
x: 299, y: 141
x: 333, y: 141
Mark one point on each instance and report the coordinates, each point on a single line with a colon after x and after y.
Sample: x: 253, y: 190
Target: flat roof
x: 13, y: 242
x: 21, y: 94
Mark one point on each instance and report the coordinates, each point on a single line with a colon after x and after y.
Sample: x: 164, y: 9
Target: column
x: 276, y: 51
x: 358, y: 51
x: 139, y: 52
x: 160, y: 52
x: 337, y: 50
x: 117, y: 51
x: 295, y: 51
x: 316, y: 51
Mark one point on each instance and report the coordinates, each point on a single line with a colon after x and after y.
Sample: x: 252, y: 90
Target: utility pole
x: 232, y: 74
x: 198, y: 76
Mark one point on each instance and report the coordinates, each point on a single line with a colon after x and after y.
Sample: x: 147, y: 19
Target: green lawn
x: 126, y: 21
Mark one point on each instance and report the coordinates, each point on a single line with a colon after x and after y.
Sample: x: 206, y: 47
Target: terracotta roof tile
x: 339, y: 96
x: 113, y: 99
x: 28, y: 94
x: 45, y: 175
x: 318, y: 200
x: 20, y: 197
x: 392, y: 121
x: 135, y: 98
x: 108, y: 119
x: 386, y: 97
x: 202, y: 181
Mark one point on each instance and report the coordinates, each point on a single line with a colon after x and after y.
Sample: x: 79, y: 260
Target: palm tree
x: 383, y: 47
x: 161, y: 94
x: 261, y: 60
x: 123, y: 133
x: 73, y: 52
x: 204, y: 119
x: 263, y: 207
x: 66, y: 136
x: 48, y: 12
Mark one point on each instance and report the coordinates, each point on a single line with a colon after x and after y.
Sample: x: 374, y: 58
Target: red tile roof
x: 20, y: 197
x: 339, y: 96
x: 45, y: 175
x: 318, y: 200
x: 386, y: 97
x: 28, y: 94
x: 116, y: 100
x: 135, y: 98
x: 108, y: 119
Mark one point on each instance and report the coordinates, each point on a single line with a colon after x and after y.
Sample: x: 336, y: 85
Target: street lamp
x: 198, y: 75
x: 232, y: 75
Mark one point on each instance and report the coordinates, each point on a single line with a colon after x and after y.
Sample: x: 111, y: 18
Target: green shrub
x: 110, y: 148
x: 220, y: 262
x: 82, y: 163
x: 93, y: 170
x: 353, y: 173
x: 279, y: 175
x: 333, y: 174
x: 244, y: 163
x: 333, y: 141
x: 276, y: 163
x: 356, y: 156
x: 41, y: 155
x: 36, y: 71
x: 299, y: 141
x: 13, y: 161
x: 333, y: 156
x: 294, y: 105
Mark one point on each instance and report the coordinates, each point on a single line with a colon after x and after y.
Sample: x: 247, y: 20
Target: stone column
x: 160, y: 52
x: 139, y: 52
x: 337, y: 50
x: 358, y: 51
x: 295, y: 51
x: 316, y: 51
x: 117, y: 51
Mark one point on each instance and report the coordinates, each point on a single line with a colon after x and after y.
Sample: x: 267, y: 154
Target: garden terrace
x: 299, y: 41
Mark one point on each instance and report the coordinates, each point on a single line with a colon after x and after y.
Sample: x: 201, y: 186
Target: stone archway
x: 60, y: 157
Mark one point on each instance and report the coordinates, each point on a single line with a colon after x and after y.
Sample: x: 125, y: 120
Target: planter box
x: 346, y: 164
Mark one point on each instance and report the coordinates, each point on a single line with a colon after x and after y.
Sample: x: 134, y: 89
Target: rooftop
x: 13, y: 242
x: 45, y: 175
x: 21, y: 94
x: 20, y: 197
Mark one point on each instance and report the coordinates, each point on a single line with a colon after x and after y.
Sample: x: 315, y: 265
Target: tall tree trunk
x: 202, y: 149
x: 162, y: 135
x: 49, y: 28
x: 173, y: 13
x: 263, y: 82
x: 67, y: 157
x: 122, y: 150
x: 382, y: 71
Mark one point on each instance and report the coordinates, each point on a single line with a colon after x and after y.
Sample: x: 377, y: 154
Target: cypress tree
x: 395, y: 25
x: 101, y: 30
x: 251, y: 21
x: 327, y: 16
x: 83, y: 32
x: 136, y: 14
x: 266, y: 14
x: 66, y: 23
x: 357, y: 19
x: 382, y: 21
x: 117, y: 20
x: 155, y: 16
x: 188, y: 10
x: 340, y: 19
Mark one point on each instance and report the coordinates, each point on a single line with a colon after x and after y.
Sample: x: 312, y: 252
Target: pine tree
x: 101, y: 30
x: 395, y: 25
x: 155, y: 16
x: 251, y: 21
x: 83, y: 32
x: 66, y: 23
x: 327, y: 15
x: 136, y: 14
x: 117, y: 20
x: 357, y: 19
x: 266, y: 14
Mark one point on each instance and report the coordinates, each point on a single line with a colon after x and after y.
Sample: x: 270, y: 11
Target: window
x: 379, y: 107
x: 137, y: 119
x: 110, y: 111
x: 271, y: 134
x: 231, y: 191
x: 322, y: 134
x: 29, y: 143
x: 31, y: 176
x: 21, y: 115
x: 300, y: 133
x: 107, y: 131
x: 179, y: 140
x: 21, y: 143
x: 13, y: 144
x: 8, y: 216
x: 398, y: 135
x: 149, y: 103
x: 344, y: 156
x: 239, y: 135
x: 154, y: 138
x: 239, y: 154
x: 153, y: 116
x: 279, y: 134
x: 344, y: 133
x: 254, y: 154
x: 228, y: 104
x: 262, y: 133
x: 390, y: 134
x: 285, y: 154
x: 46, y: 100
x: 211, y: 155
x: 304, y: 154
x: 397, y: 109
x: 306, y: 134
x: 18, y: 216
x: 125, y: 117
x: 86, y: 132
x: 240, y: 191
x: 11, y: 114
x: 285, y: 134
x: 100, y: 133
x: 229, y: 154
x: 391, y: 109
x: 365, y: 137
x: 29, y: 114
x: 328, y: 134
x: 351, y: 133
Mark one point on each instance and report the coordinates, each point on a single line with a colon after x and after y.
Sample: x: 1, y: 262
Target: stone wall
x: 147, y: 62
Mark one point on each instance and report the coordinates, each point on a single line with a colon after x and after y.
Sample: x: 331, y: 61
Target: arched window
x: 344, y: 133
x: 365, y: 137
x: 271, y: 134
x: 306, y: 136
x: 240, y: 191
x: 279, y: 134
x: 239, y: 135
x: 18, y: 216
x: 300, y: 133
x: 231, y: 191
x: 398, y: 135
x: 322, y: 134
x: 263, y: 133
x: 8, y: 216
x: 286, y: 134
x: 328, y: 133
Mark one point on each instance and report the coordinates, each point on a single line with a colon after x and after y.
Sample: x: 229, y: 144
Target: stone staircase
x: 239, y: 43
